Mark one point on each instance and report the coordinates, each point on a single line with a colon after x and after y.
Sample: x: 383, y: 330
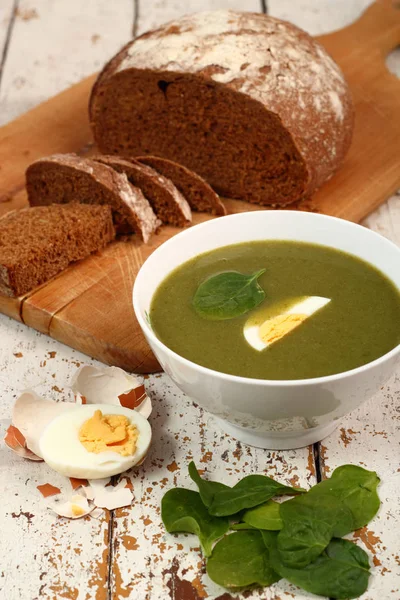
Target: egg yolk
x: 277, y: 327
x: 102, y: 433
x: 76, y: 510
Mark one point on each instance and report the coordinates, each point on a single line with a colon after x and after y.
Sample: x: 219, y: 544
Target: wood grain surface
x: 89, y: 306
x: 126, y: 553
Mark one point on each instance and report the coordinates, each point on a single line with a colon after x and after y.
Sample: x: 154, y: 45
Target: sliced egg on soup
x: 267, y: 326
x: 94, y: 441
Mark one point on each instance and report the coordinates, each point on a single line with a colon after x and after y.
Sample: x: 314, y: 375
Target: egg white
x: 62, y: 450
x: 308, y: 306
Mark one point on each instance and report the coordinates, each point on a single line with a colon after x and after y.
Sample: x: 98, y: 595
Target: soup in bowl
x: 277, y: 322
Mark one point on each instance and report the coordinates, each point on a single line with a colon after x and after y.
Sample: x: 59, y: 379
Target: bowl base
x: 277, y: 440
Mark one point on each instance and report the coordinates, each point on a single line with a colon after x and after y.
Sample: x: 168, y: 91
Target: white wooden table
x: 45, y: 46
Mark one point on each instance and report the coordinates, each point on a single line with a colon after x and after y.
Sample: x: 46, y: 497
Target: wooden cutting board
x: 89, y: 306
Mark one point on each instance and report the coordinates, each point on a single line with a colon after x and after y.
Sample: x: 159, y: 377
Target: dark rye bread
x: 167, y: 201
x: 38, y: 243
x: 64, y: 178
x: 195, y: 189
x: 251, y: 103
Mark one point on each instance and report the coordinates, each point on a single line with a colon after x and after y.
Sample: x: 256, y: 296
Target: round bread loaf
x: 251, y: 103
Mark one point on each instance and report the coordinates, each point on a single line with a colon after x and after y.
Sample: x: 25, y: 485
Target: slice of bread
x: 167, y: 201
x: 64, y: 178
x: 38, y: 243
x: 195, y: 189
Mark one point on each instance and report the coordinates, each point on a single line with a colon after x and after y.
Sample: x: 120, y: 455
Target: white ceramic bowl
x: 268, y: 413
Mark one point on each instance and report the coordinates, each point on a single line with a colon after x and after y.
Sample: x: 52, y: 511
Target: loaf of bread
x: 38, y: 243
x: 195, y: 189
x: 166, y: 200
x: 64, y: 178
x: 251, y: 103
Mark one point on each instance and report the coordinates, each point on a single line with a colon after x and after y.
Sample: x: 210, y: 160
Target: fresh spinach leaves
x: 298, y: 539
x: 183, y: 510
x: 341, y: 571
x: 332, y: 508
x: 228, y: 295
x: 265, y: 516
x: 240, y: 560
x: 251, y: 491
x: 207, y: 489
x: 241, y: 526
x: 357, y: 490
x: 309, y: 523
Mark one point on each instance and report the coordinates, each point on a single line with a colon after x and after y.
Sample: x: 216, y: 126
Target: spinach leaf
x: 265, y: 516
x: 332, y: 508
x: 207, y: 489
x: 222, y: 500
x: 309, y: 523
x: 241, y: 526
x: 249, y: 492
x: 341, y: 571
x: 228, y: 295
x: 183, y: 510
x: 241, y: 559
x: 356, y: 487
x: 269, y: 539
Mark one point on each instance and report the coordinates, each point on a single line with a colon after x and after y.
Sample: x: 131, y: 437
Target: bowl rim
x: 148, y: 331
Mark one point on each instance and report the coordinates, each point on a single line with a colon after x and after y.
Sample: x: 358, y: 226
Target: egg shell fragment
x: 17, y: 443
x: 112, y: 497
x: 77, y: 483
x: 31, y: 415
x: 97, y: 513
x: 110, y: 385
x: 46, y: 489
x: 75, y: 508
x: 62, y: 450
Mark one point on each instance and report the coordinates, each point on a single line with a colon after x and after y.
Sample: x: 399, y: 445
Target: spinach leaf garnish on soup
x: 277, y: 310
x: 228, y: 295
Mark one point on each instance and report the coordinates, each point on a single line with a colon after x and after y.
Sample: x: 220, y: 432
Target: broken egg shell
x: 31, y: 415
x: 110, y: 385
x: 109, y: 497
x: 87, y: 492
x: 80, y: 399
x: 74, y: 508
x: 121, y: 485
x: 145, y: 407
x: 98, y: 484
x: 17, y: 443
x: 77, y: 483
x: 46, y: 489
x: 133, y: 398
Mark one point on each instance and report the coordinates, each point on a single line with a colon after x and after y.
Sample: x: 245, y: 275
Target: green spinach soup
x: 277, y: 310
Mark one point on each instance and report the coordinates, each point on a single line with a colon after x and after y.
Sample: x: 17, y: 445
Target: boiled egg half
x: 95, y: 440
x: 269, y: 325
